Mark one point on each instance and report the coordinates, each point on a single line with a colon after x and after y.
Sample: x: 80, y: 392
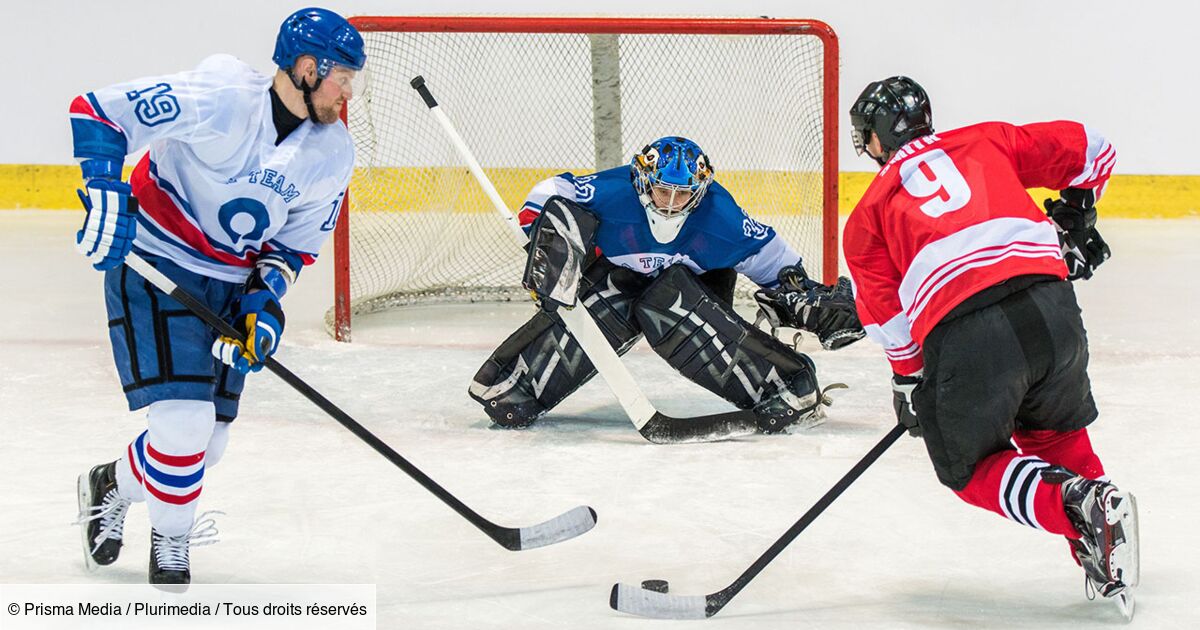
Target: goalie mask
x: 670, y: 176
x: 896, y: 110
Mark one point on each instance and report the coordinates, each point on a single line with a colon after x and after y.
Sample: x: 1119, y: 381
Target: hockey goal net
x: 537, y: 96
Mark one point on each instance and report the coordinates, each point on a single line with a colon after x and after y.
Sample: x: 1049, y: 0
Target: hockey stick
x: 652, y: 424
x: 563, y: 527
x: 645, y: 603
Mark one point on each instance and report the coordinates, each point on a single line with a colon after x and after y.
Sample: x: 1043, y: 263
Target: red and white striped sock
x: 1072, y: 449
x: 1011, y: 485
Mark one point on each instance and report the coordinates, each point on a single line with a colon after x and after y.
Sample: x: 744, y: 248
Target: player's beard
x: 327, y: 114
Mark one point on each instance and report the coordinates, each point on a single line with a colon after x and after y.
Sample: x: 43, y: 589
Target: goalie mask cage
x: 538, y: 96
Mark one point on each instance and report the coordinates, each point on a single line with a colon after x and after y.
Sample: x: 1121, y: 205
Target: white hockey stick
x: 653, y: 425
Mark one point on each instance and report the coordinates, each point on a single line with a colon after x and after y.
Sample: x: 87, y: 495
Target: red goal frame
x: 619, y: 25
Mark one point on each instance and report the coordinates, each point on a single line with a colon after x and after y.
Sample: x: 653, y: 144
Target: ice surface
x: 307, y: 502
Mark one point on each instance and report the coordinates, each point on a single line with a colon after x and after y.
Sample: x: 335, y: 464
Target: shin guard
x: 703, y: 338
x: 541, y: 363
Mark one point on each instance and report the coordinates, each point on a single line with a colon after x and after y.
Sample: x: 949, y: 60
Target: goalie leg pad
x: 541, y: 364
x: 703, y: 338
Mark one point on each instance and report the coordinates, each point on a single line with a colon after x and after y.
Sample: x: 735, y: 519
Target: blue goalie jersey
x: 717, y: 235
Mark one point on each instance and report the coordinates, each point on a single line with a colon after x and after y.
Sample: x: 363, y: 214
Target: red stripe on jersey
x: 82, y: 107
x: 307, y: 259
x: 1104, y: 164
x: 527, y: 216
x: 159, y: 206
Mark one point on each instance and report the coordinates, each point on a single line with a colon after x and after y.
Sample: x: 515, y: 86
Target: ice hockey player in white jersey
x: 242, y: 184
x: 660, y: 244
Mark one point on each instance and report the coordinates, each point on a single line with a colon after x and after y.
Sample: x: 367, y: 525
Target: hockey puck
x: 658, y: 586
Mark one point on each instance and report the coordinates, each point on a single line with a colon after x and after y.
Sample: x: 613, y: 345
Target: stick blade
x: 645, y: 603
x: 663, y: 429
x: 565, y: 526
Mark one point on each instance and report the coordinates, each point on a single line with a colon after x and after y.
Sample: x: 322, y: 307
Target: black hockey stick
x: 646, y: 603
x: 655, y: 426
x: 563, y: 527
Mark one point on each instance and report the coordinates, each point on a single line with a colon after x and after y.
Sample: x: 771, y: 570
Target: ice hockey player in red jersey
x: 965, y: 283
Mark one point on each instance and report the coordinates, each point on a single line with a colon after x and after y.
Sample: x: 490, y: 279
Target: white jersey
x: 214, y: 190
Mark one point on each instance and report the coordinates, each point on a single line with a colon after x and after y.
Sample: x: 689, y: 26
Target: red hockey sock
x: 1072, y: 449
x: 1011, y: 485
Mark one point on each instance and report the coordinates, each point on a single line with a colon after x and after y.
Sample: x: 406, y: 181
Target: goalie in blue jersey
x: 663, y: 244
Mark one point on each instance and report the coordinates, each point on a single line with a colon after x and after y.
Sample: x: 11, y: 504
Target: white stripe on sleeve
x: 1098, y: 151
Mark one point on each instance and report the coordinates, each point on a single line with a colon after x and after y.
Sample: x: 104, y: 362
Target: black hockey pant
x: 1017, y: 364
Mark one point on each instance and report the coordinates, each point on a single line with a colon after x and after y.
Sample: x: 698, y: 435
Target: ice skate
x: 1108, y: 550
x: 101, y: 515
x: 170, y: 564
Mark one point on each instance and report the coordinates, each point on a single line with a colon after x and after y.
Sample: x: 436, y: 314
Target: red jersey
x: 949, y: 216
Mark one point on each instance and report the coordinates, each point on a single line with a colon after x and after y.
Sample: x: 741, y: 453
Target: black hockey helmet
x: 895, y: 109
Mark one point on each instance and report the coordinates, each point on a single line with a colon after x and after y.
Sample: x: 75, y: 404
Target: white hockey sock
x: 216, y: 444
x: 168, y: 462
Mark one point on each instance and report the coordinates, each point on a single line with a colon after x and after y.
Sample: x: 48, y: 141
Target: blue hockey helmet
x: 325, y: 35
x: 670, y: 176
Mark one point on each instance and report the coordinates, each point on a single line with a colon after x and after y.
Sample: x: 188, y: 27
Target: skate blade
x: 1125, y: 603
x: 814, y: 419
x: 84, y: 493
x: 1123, y: 561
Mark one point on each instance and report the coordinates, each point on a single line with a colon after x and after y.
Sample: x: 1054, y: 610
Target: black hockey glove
x: 828, y: 311
x: 1083, y: 248
x: 902, y: 402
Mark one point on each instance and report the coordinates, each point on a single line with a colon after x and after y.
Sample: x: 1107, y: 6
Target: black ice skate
x: 101, y: 515
x: 170, y: 565
x: 788, y: 412
x: 776, y: 416
x: 1108, y: 550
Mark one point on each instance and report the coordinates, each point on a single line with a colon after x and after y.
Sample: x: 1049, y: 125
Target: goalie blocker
x: 688, y: 320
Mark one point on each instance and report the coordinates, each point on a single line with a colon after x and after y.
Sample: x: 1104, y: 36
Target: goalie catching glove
x: 827, y: 311
x: 1074, y: 216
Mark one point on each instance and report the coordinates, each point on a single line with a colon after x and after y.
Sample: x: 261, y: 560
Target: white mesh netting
x: 531, y: 105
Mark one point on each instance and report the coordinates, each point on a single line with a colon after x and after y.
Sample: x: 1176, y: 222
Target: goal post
x: 539, y: 96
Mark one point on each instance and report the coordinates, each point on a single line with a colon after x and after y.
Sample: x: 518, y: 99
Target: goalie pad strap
x: 541, y: 364
x: 562, y: 243
x: 712, y: 346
